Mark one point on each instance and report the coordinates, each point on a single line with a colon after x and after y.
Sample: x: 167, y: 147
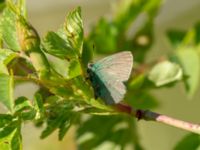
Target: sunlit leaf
x: 74, y: 30
x: 61, y: 116
x: 24, y: 109
x: 21, y: 104
x: 190, y: 62
x: 165, y: 72
x: 38, y: 105
x: 6, y: 56
x: 55, y: 45
x: 10, y: 137
x: 74, y: 69
x: 8, y: 29
x: 6, y: 91
x: 5, y: 119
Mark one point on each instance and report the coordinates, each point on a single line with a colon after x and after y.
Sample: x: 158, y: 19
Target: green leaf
x: 74, y: 30
x: 22, y: 6
x: 61, y: 116
x: 103, y: 37
x: 128, y: 10
x: 10, y: 137
x: 5, y: 119
x: 64, y: 126
x: 2, y: 4
x: 197, y: 33
x: 141, y: 100
x: 189, y: 142
x: 137, y: 82
x: 38, y: 105
x: 116, y: 132
x: 6, y: 91
x: 176, y: 37
x: 57, y: 46
x: 6, y: 56
x: 87, y: 54
x: 165, y: 72
x: 21, y: 104
x: 24, y: 109
x: 8, y: 29
x: 190, y: 62
x: 74, y: 69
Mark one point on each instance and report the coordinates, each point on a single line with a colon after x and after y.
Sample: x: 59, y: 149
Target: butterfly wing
x: 113, y: 90
x: 111, y: 72
x: 118, y: 65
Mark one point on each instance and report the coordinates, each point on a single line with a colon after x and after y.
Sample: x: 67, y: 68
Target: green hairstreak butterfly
x: 108, y: 75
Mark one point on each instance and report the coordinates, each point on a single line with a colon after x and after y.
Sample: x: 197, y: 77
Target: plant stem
x: 153, y: 116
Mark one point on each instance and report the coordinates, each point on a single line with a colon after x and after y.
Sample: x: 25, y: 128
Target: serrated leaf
x: 57, y: 46
x: 165, y: 72
x: 24, y: 108
x: 8, y: 29
x: 22, y: 103
x: 117, y: 131
x: 74, y: 30
x: 189, y: 142
x: 64, y: 126
x: 38, y: 105
x: 10, y: 137
x: 176, y: 37
x: 74, y: 69
x: 22, y: 6
x: 190, y: 62
x: 5, y: 119
x: 61, y: 115
x: 6, y: 91
x: 6, y: 56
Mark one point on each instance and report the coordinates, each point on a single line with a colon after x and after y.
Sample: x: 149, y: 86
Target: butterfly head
x: 89, y: 69
x: 90, y: 65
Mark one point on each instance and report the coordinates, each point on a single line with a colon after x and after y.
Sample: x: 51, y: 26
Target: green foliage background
x: 64, y: 96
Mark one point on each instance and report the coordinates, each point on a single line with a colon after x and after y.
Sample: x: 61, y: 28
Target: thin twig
x: 27, y: 78
x: 153, y: 116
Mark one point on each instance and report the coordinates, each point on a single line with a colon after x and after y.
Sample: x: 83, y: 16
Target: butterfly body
x: 108, y: 75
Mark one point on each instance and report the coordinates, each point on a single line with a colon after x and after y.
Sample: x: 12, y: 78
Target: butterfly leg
x: 96, y: 92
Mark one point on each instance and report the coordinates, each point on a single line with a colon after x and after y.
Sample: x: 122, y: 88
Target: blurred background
x: 48, y: 15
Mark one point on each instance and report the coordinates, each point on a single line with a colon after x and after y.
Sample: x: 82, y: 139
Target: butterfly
x: 107, y: 76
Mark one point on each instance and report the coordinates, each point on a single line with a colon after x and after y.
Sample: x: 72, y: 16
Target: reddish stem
x: 153, y: 116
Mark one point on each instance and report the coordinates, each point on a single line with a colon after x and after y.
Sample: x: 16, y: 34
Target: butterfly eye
x: 90, y: 65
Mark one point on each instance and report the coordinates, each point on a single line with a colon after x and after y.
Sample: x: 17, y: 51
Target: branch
x: 153, y: 116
